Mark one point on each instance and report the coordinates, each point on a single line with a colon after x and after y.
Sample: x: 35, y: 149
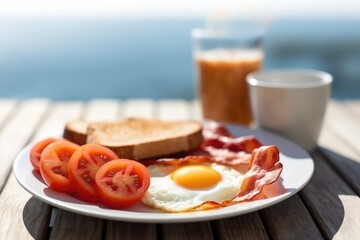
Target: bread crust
x: 76, y: 131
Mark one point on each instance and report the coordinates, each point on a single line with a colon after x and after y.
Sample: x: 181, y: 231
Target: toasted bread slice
x: 145, y: 138
x: 138, y: 138
x: 76, y: 131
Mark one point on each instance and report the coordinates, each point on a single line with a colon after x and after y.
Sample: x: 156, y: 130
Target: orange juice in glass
x: 223, y: 59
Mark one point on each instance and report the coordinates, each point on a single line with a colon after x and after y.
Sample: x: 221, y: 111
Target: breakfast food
x: 36, y: 151
x: 219, y: 171
x: 184, y: 185
x: 82, y: 168
x: 76, y: 131
x: 122, y: 182
x: 54, y: 165
x: 138, y: 138
x: 201, y: 182
x: 222, y: 85
x: 225, y: 148
x: 92, y: 173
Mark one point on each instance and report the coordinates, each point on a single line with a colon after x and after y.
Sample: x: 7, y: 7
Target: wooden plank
x: 189, y: 231
x: 142, y: 108
x: 6, y: 107
x: 340, y: 149
x: 19, y: 216
x: 39, y: 215
x: 247, y: 226
x: 290, y: 220
x: 330, y: 138
x: 174, y: 110
x: 58, y: 115
x: 196, y: 110
x: 344, y: 122
x: 349, y: 228
x: 348, y: 168
x: 354, y: 106
x: 129, y: 231
x: 102, y: 109
x: 22, y: 216
x: 335, y: 139
x: 17, y: 132
x: 28, y: 217
x: 70, y: 225
x: 321, y: 197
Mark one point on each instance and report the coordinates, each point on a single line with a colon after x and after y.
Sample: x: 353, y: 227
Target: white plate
x: 298, y: 169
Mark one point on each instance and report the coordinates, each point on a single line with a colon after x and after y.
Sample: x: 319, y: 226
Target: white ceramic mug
x: 290, y: 102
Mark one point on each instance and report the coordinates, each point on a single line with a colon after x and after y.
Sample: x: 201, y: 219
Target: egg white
x: 165, y: 194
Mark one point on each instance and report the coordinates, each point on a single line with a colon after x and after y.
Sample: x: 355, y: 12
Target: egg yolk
x: 196, y: 176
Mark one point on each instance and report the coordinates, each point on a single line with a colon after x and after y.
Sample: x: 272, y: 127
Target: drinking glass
x: 223, y: 58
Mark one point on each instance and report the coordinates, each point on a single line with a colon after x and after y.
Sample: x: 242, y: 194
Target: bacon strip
x: 224, y: 156
x: 215, y: 129
x: 265, y: 169
x: 225, y: 148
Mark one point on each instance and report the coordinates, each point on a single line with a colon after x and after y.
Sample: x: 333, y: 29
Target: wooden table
x: 328, y: 207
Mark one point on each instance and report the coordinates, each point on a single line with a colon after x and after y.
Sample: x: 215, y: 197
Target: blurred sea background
x: 69, y: 50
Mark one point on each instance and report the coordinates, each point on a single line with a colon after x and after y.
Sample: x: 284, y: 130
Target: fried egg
x: 186, y: 186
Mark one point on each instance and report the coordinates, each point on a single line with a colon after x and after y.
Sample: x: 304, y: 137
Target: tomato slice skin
x: 122, y: 182
x: 54, y: 164
x: 36, y: 150
x: 82, y: 168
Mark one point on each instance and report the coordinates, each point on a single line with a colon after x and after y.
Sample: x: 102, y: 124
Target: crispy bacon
x: 225, y: 148
x: 228, y: 157
x: 246, y: 143
x: 265, y: 169
x: 215, y: 129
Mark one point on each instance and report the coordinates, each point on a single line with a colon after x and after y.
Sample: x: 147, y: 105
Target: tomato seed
x: 58, y: 171
x: 64, y: 156
x: 82, y: 163
x: 136, y: 180
x: 113, y: 172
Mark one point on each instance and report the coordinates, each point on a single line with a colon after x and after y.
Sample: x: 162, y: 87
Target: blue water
x: 83, y: 58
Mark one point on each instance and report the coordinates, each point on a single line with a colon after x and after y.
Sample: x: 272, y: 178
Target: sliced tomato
x: 122, y: 182
x: 54, y: 165
x: 36, y: 150
x: 83, y: 166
